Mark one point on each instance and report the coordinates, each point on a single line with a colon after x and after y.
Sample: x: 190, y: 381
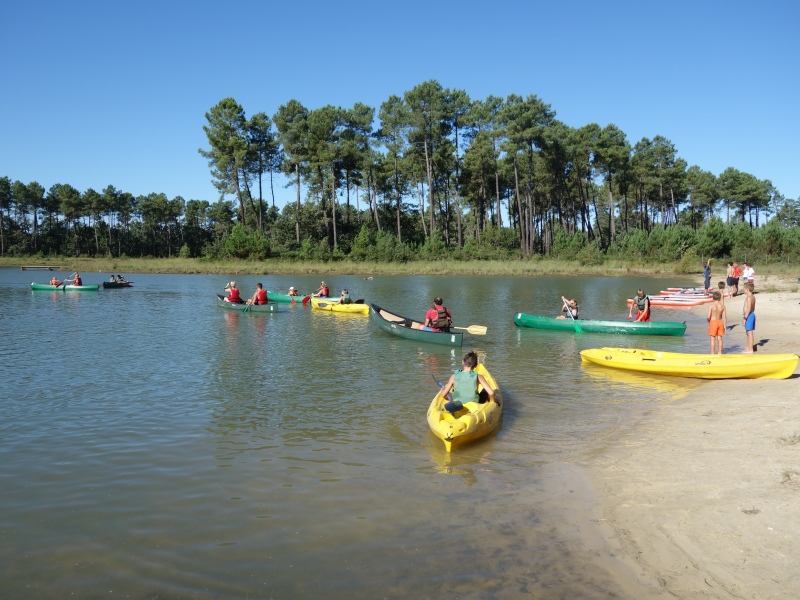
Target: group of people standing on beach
x: 733, y: 274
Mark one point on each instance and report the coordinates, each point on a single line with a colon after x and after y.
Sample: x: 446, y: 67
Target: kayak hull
x: 598, y: 326
x: 278, y: 297
x: 354, y: 308
x: 246, y: 308
x: 703, y: 366
x: 471, y: 423
x: 409, y: 329
x: 113, y: 285
x: 46, y: 287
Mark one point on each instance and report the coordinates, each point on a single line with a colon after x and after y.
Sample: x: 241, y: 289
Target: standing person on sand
x: 729, y: 278
x: 707, y: 277
x: 717, y: 322
x: 749, y: 316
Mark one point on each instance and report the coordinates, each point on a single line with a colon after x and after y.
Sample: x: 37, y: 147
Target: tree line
x: 438, y: 175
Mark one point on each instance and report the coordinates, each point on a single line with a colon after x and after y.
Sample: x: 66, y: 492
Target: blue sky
x: 99, y: 93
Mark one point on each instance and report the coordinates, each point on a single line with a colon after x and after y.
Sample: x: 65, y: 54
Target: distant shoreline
x: 532, y: 267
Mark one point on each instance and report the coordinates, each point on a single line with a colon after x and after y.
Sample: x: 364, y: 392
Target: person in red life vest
x: 438, y: 318
x: 642, y: 304
x: 233, y: 293
x: 322, y: 292
x: 260, y: 297
x: 75, y: 279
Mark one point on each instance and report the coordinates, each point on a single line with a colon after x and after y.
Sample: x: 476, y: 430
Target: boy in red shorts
x: 717, y: 321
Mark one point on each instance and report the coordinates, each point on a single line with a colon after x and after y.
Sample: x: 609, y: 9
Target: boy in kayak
x: 717, y: 322
x: 464, y: 385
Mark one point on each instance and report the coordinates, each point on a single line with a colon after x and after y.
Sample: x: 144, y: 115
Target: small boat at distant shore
x: 117, y: 284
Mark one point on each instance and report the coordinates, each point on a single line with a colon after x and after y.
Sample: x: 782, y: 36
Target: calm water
x: 155, y: 445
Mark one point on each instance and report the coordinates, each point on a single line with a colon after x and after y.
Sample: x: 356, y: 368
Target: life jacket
x: 234, y: 295
x: 441, y: 321
x: 640, y: 301
x: 54, y: 281
x: 78, y: 280
x: 324, y: 293
x: 346, y: 299
x: 261, y: 296
x: 465, y: 386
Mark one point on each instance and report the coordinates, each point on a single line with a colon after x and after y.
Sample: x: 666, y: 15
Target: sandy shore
x: 702, y: 500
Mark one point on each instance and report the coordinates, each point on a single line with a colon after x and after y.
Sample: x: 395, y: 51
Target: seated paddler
x: 233, y: 293
x: 464, y: 385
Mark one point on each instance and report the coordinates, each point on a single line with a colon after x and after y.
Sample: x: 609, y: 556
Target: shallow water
x: 154, y: 445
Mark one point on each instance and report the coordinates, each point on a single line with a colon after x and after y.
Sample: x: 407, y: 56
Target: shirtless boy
x: 749, y: 316
x: 717, y: 321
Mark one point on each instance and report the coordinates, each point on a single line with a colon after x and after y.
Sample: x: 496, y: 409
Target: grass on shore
x: 533, y: 267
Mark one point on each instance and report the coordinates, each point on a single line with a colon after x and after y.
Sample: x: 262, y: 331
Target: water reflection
x: 160, y: 445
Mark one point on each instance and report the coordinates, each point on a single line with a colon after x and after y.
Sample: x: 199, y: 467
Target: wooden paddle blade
x: 474, y: 329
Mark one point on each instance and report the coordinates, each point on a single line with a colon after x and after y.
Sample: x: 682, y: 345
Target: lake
x: 154, y: 445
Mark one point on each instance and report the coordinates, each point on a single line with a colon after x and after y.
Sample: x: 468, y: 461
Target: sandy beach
x: 702, y: 499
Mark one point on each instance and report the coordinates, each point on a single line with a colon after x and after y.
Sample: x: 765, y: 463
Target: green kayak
x: 410, y: 329
x: 278, y: 297
x: 49, y: 287
x: 241, y: 307
x: 592, y: 326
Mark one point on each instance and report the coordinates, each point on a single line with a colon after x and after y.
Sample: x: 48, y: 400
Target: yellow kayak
x: 328, y: 304
x: 471, y: 422
x: 704, y: 366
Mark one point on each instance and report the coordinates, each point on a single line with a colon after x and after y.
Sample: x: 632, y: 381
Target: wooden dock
x: 42, y: 268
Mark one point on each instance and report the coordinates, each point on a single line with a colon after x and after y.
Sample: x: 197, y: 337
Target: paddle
x: 473, y: 329
x: 306, y: 299
x: 453, y: 406
x: 64, y: 283
x: 359, y: 301
x: 441, y: 385
x: 571, y: 316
